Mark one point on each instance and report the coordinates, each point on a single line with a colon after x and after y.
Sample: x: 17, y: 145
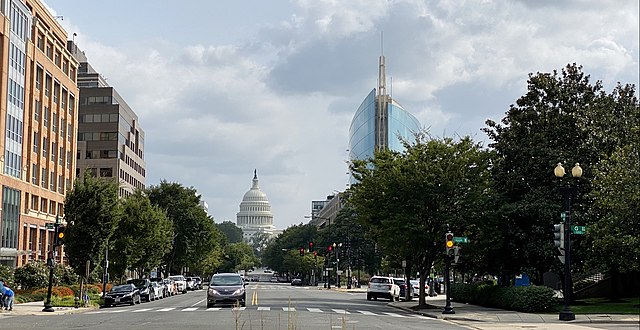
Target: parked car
x: 198, y: 282
x: 190, y: 283
x: 226, y: 288
x: 122, y: 294
x: 383, y: 287
x: 416, y: 288
x: 181, y: 283
x: 145, y: 288
x: 158, y: 290
x: 171, y: 286
x: 296, y: 282
x: 399, y: 281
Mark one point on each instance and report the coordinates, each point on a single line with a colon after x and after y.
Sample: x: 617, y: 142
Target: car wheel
x: 243, y: 304
x: 398, y: 298
x: 368, y: 297
x: 209, y: 305
x: 392, y: 298
x: 375, y: 298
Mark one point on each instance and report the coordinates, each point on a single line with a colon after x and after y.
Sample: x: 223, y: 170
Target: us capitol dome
x: 255, y: 213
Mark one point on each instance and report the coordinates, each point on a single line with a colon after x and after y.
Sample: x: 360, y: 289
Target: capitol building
x: 255, y: 213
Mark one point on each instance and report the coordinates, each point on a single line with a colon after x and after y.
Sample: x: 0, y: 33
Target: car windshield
x: 138, y: 283
x: 398, y: 282
x: 226, y: 280
x: 121, y: 288
x: 379, y: 280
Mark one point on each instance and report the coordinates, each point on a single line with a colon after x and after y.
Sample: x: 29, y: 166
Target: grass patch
x: 630, y: 305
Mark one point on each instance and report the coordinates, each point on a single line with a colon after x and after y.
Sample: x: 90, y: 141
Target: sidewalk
x: 474, y: 313
x: 466, y: 312
x: 35, y: 308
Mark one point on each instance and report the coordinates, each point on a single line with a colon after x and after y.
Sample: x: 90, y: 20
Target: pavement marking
x: 367, y: 313
x: 340, y: 311
x: 199, y: 302
x: 214, y: 308
x: 288, y: 309
x: 394, y: 314
x: 239, y: 308
x: 315, y: 310
x: 96, y: 312
x: 264, y: 308
x: 165, y: 309
x: 142, y: 310
x: 190, y: 309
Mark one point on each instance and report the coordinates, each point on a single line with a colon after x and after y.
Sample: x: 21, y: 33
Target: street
x: 269, y: 306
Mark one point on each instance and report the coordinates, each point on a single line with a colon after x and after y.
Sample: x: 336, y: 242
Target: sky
x: 225, y: 87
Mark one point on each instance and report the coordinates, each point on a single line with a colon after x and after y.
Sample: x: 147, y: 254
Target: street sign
x: 329, y: 268
x: 461, y: 239
x: 48, y: 225
x: 579, y: 230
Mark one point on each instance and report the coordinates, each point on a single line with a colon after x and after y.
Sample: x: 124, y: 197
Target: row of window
x: 98, y: 100
x: 47, y: 180
x: 134, y: 165
x: 55, y: 55
x: 44, y: 205
x: 130, y: 179
x: 53, y: 147
x: 61, y: 94
x: 16, y: 94
x: 17, y: 59
x: 98, y: 136
x: 99, y: 118
x: 50, y: 120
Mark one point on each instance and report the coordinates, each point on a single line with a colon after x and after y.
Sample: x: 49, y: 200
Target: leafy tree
x: 92, y: 210
x: 232, y: 232
x: 238, y: 256
x: 143, y: 236
x: 565, y: 118
x: 32, y: 275
x: 259, y: 242
x: 6, y: 274
x: 291, y: 239
x: 195, y: 235
x: 407, y: 199
x: 64, y: 275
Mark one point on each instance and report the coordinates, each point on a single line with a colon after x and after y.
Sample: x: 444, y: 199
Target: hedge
x: 526, y: 299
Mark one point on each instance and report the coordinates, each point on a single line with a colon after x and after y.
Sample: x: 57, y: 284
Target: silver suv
x: 383, y: 287
x: 226, y: 288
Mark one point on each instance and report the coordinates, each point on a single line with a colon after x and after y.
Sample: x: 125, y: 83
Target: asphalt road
x: 269, y: 306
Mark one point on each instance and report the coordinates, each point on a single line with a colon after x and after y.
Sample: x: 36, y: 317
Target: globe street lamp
x: 568, y: 192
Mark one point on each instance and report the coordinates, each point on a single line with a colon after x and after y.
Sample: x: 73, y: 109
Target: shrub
x: 64, y: 275
x: 524, y: 299
x: 579, y: 285
x: 32, y: 275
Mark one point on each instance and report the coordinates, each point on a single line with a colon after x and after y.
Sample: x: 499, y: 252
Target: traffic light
x: 301, y: 252
x: 310, y: 246
x: 59, y: 239
x: 558, y: 239
x: 315, y: 255
x: 449, y: 242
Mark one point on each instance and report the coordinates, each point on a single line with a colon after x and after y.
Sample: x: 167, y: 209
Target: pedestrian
x: 1, y: 293
x: 8, y: 298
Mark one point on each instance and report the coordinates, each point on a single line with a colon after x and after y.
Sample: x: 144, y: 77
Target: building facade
x: 255, y: 213
x: 380, y: 122
x: 110, y: 140
x: 38, y: 115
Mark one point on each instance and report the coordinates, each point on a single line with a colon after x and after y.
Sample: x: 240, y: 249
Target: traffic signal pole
x: 449, y: 246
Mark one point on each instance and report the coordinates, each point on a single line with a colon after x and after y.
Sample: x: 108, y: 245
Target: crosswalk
x: 257, y: 308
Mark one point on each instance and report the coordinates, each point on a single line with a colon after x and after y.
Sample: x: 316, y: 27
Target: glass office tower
x: 379, y: 123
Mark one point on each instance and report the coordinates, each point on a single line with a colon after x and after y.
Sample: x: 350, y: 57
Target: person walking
x: 8, y: 298
x: 1, y: 294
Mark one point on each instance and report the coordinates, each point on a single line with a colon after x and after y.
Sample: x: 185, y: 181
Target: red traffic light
x: 330, y: 248
x: 301, y: 251
x: 310, y: 245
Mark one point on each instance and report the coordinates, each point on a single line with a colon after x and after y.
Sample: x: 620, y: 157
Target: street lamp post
x: 568, y: 192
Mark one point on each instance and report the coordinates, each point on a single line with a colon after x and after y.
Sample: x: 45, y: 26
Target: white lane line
x: 97, y: 312
x: 214, y: 309
x: 165, y: 309
x: 142, y: 310
x: 190, y: 309
x: 264, y: 308
x: 288, y: 309
x: 394, y: 314
x: 315, y: 310
x: 199, y: 302
x: 239, y: 308
x: 367, y: 313
x: 340, y: 311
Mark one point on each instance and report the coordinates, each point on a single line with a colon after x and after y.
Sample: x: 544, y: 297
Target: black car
x: 122, y: 294
x: 144, y: 286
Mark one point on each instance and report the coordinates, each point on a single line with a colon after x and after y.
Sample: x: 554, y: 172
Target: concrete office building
x: 38, y: 104
x: 110, y: 140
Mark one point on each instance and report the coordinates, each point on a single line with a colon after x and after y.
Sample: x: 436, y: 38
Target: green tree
x: 407, y: 199
x: 238, y: 256
x: 143, y: 236
x: 291, y: 239
x: 565, y: 118
x: 232, y: 232
x: 32, y: 275
x: 92, y: 211
x: 195, y: 235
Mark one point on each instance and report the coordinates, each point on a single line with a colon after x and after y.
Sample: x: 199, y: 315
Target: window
x: 106, y: 172
x: 40, y: 42
x: 56, y: 91
x: 52, y: 181
x: 52, y: 207
x: 43, y: 178
x: 54, y: 151
x: 47, y: 114
x: 34, y: 202
x: 43, y: 205
x: 45, y: 147
x: 57, y: 59
x: 39, y: 75
x: 65, y: 67
x: 49, y: 50
x: 68, y: 160
x: 69, y: 131
x: 36, y: 142
x: 34, y: 173
x: 61, y: 157
x: 63, y: 128
x: 60, y: 184
x: 63, y: 100
x: 47, y: 85
x: 72, y: 103
x: 54, y: 122
x: 37, y: 110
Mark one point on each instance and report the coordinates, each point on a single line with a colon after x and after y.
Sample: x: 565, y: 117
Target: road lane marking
x: 340, y: 311
x: 142, y: 310
x: 214, y: 309
x: 367, y: 313
x: 315, y: 310
x: 288, y: 309
x: 394, y: 314
x: 239, y: 308
x: 264, y: 308
x: 190, y: 309
x: 166, y: 309
x: 199, y: 302
x: 254, y: 298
